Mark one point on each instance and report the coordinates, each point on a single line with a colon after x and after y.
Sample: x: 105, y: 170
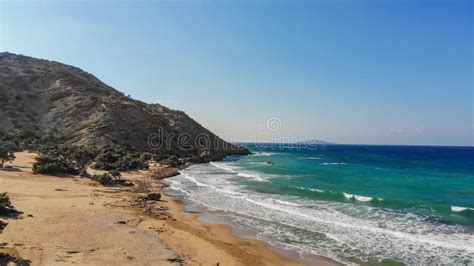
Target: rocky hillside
x: 43, y: 100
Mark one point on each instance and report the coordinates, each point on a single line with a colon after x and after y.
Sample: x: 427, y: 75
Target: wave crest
x: 357, y: 197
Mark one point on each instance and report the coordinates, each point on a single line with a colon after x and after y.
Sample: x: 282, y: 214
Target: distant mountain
x: 316, y: 142
x: 42, y: 100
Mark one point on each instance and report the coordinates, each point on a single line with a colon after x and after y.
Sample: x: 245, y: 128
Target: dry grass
x: 143, y: 185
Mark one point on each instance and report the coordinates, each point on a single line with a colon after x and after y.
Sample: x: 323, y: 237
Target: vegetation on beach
x: 105, y: 179
x: 6, y: 210
x: 56, y: 159
x: 143, y: 185
x: 108, y: 179
x: 6, y: 259
x: 115, y: 159
x: 63, y: 159
x: 172, y: 161
x: 6, y: 153
x: 6, y: 207
x: 66, y: 159
x: 3, y: 224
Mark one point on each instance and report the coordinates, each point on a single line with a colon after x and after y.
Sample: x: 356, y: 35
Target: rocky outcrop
x: 44, y: 100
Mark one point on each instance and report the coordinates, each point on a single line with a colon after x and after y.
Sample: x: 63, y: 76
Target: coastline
x: 197, y: 239
x: 74, y: 220
x: 247, y: 236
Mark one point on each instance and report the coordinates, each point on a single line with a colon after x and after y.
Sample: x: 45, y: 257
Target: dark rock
x: 176, y: 260
x: 72, y: 252
x: 153, y: 196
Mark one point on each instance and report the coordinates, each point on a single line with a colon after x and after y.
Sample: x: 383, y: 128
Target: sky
x: 360, y: 72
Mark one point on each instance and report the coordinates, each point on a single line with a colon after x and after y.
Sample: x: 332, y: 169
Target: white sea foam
x: 252, y: 176
x: 357, y: 197
x: 263, y: 154
x: 362, y: 198
x: 348, y: 196
x: 287, y: 203
x: 311, y: 158
x: 460, y: 209
x: 338, y: 163
x: 222, y: 166
x: 226, y: 167
x: 195, y: 181
x: 332, y: 229
x: 311, y: 189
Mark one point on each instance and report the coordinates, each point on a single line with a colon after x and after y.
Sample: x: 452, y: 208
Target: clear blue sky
x: 381, y: 72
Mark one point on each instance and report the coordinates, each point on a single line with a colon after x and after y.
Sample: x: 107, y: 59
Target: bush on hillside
x: 146, y: 156
x: 172, y: 161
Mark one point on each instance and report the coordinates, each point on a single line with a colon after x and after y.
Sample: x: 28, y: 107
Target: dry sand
x: 76, y: 221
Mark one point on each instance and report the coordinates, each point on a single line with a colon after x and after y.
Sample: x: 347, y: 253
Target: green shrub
x: 117, y: 159
x: 6, y: 208
x: 172, y: 161
x: 49, y: 165
x: 2, y: 225
x: 57, y: 159
x: 158, y: 157
x: 105, y: 179
x: 5, y: 204
x: 146, y: 156
x: 106, y: 159
x: 116, y: 175
x: 6, y: 154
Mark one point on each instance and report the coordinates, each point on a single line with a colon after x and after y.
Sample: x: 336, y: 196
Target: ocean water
x: 354, y: 204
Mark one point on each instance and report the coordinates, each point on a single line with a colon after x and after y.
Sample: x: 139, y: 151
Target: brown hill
x: 43, y: 100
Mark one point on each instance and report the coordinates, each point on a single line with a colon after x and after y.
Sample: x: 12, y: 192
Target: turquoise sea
x: 352, y: 203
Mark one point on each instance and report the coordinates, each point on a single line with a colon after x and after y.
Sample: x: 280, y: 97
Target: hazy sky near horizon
x: 377, y: 72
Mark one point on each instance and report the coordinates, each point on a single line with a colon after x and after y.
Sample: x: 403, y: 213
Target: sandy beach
x: 72, y: 220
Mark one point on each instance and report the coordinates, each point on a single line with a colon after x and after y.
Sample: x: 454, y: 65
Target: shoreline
x: 75, y: 220
x: 247, y: 251
x: 206, y: 217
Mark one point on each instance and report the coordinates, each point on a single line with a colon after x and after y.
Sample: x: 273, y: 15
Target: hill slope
x: 45, y: 100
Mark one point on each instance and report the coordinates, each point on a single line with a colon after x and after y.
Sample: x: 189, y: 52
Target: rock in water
x: 45, y: 101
